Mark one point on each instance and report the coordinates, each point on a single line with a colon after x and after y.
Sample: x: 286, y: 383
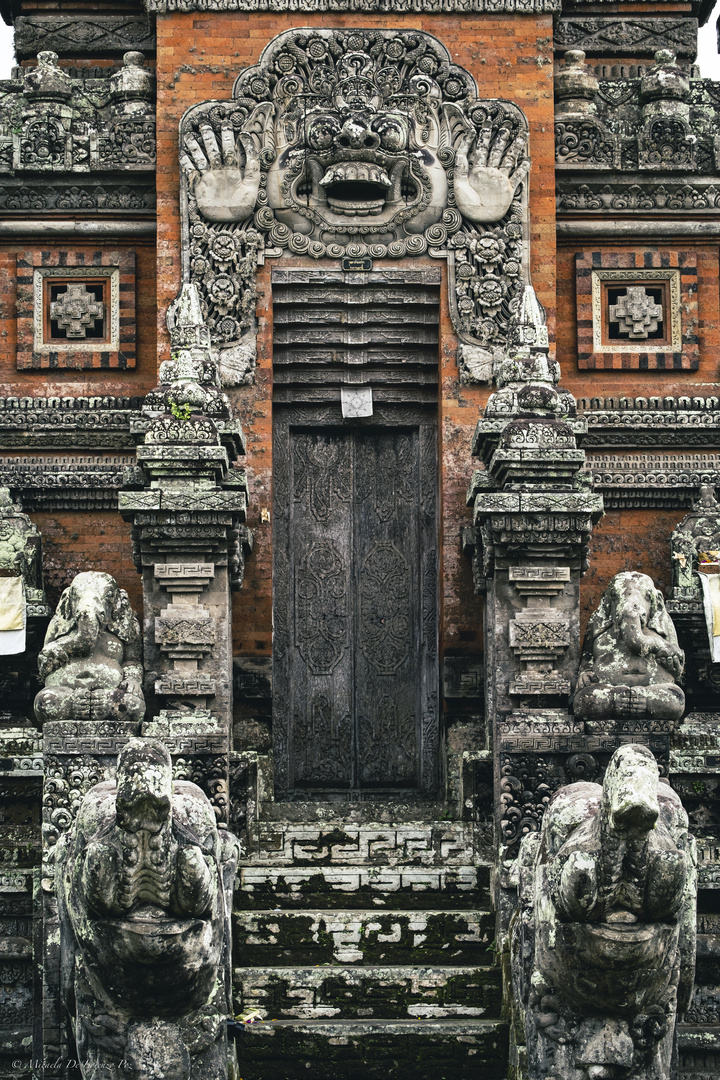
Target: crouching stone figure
x: 145, y: 883
x: 631, y: 659
x: 92, y: 658
x: 603, y: 942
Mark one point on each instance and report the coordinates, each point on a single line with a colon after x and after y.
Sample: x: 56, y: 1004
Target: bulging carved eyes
x: 322, y: 132
x: 391, y: 132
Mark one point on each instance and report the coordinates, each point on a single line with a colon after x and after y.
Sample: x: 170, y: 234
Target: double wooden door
x: 355, y: 704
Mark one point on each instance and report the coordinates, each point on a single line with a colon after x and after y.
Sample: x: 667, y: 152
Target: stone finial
x: 603, y: 943
x: 575, y: 85
x: 134, y: 82
x: 631, y: 660
x: 145, y: 891
x: 665, y: 80
x: 92, y: 658
x: 47, y: 81
x: 527, y: 373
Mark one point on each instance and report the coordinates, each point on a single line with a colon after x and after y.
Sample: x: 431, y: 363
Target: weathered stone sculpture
x: 145, y: 883
x: 604, y: 940
x: 92, y: 658
x: 631, y: 659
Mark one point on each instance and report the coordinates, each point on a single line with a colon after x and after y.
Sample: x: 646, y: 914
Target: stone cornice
x: 390, y: 7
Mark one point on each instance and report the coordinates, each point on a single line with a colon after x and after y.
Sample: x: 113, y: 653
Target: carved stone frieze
x: 72, y: 482
x: 77, y: 35
x: 71, y: 422
x: 21, y: 198
x: 667, y: 195
x: 520, y: 7
x: 340, y: 178
x: 613, y: 36
x: 652, y: 478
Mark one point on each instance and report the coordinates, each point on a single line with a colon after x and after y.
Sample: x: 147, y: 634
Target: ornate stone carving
x: 432, y: 6
x: 615, y: 36
x: 631, y: 659
x: 76, y: 310
x: 145, y: 901
x: 60, y: 124
x: 603, y: 942
x: 654, y: 118
x: 74, y: 35
x: 92, y: 658
x: 392, y: 155
x: 636, y: 313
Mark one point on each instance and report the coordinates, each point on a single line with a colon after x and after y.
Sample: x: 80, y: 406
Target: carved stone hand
x: 223, y: 178
x: 487, y: 174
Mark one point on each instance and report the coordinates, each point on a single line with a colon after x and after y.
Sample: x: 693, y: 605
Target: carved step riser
x: 391, y: 993
x: 370, y: 937
x: 434, y: 1050
x: 408, y: 888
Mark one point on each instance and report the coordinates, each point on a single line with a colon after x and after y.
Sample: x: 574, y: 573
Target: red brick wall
x: 510, y: 56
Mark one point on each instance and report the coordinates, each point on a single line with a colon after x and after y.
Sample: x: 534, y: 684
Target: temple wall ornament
x: 631, y: 660
x: 92, y: 658
x: 637, y: 308
x: 359, y: 143
x: 603, y: 939
x: 144, y: 897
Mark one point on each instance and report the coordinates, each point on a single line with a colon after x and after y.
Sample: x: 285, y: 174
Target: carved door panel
x: 355, y: 707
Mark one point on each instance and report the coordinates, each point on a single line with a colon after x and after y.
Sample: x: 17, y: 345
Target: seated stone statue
x: 630, y: 660
x: 145, y: 882
x: 603, y: 943
x: 92, y: 658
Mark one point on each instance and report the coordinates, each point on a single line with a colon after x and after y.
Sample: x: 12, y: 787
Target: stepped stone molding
x: 653, y: 478
x: 69, y: 35
x: 21, y: 198
x: 259, y: 182
x: 71, y: 482
x: 73, y: 422
x: 612, y: 36
x: 637, y: 196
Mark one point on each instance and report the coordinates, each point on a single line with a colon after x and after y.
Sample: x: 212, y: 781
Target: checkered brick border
x: 33, y: 265
x: 639, y: 266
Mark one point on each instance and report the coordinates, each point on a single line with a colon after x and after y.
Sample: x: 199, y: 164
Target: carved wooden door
x: 355, y: 698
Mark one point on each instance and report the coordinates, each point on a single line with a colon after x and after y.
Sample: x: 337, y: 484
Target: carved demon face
x: 366, y: 159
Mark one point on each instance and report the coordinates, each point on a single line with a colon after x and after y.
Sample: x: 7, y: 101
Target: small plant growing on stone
x: 180, y: 412
x: 699, y: 787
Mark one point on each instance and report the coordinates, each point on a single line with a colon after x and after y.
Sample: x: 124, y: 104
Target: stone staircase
x: 368, y: 952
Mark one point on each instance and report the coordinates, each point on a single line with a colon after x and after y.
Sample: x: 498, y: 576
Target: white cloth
x: 711, y: 602
x: 13, y: 616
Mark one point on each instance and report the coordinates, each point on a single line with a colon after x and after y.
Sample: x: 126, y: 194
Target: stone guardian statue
x: 145, y: 881
x: 603, y: 942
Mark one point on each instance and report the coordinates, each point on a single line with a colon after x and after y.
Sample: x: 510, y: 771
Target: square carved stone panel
x: 637, y: 309
x: 76, y: 309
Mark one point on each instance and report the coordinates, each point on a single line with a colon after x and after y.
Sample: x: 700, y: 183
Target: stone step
x: 414, y: 844
x: 373, y: 1050
x: 363, y: 886
x: 277, y: 937
x: 389, y: 993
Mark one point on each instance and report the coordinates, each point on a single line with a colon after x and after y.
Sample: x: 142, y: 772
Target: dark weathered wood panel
x: 355, y: 595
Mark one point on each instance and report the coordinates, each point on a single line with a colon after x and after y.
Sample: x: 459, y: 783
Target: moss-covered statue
x: 92, y: 658
x: 145, y: 882
x: 630, y: 660
x: 603, y: 943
